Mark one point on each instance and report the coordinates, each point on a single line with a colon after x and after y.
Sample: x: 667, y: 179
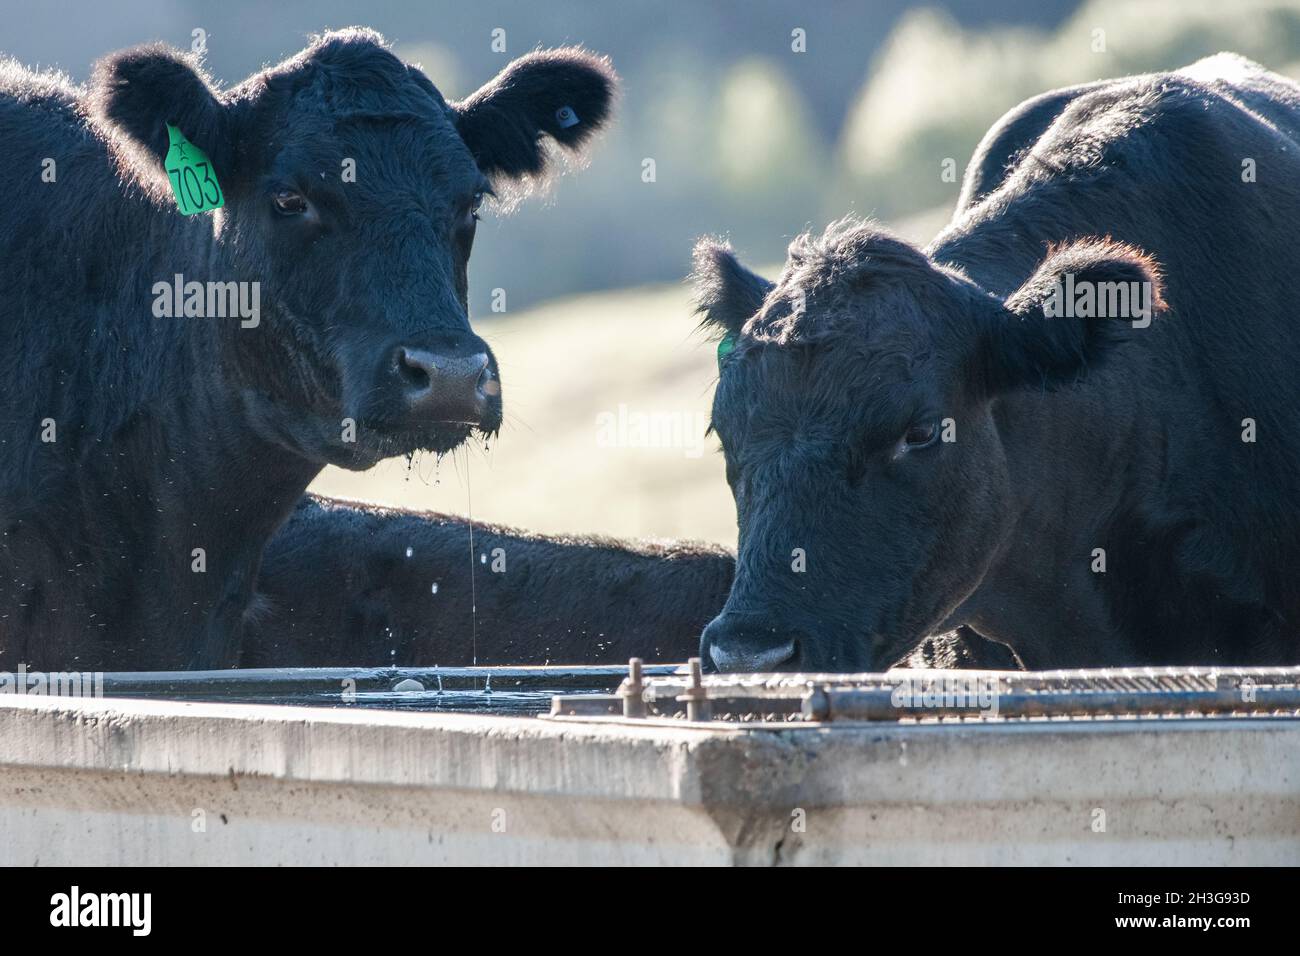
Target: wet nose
x: 447, y: 388
x: 747, y: 646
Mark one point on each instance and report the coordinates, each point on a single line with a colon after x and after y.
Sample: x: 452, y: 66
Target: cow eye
x: 918, y: 436
x: 289, y: 203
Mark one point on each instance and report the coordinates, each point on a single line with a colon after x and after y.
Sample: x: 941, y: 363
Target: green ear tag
x: 725, y: 346
x: 194, y: 184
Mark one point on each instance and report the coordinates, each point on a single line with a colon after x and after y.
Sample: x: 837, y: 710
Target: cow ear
x: 726, y: 293
x: 1082, y: 301
x: 566, y: 94
x: 135, y: 94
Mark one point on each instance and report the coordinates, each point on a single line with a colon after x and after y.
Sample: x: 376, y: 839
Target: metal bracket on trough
x: 944, y: 695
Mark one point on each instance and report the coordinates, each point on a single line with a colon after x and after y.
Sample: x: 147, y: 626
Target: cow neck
x: 195, y: 395
x: 995, y: 251
x: 214, y: 482
x: 1001, y: 240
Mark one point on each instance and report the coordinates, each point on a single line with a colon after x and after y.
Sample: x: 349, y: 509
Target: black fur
x: 726, y: 293
x: 1071, y: 435
x: 1010, y: 137
x: 339, y: 588
x: 137, y: 92
x: 182, y: 433
x: 1055, y: 350
x: 504, y: 122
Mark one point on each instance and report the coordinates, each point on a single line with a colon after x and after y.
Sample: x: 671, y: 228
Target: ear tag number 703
x: 194, y: 184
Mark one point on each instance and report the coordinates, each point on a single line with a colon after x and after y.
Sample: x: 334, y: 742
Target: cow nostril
x: 416, y: 368
x: 442, y: 385
x: 486, y: 385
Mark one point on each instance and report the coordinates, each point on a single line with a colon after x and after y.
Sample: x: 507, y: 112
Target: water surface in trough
x: 514, y: 691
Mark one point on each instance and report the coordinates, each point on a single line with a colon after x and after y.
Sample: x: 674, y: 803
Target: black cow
x: 148, y: 459
x: 986, y: 433
x: 344, y: 584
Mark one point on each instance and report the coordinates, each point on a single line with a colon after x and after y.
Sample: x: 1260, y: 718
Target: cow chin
x: 349, y: 443
x: 373, y: 445
x: 852, y: 656
x: 860, y: 654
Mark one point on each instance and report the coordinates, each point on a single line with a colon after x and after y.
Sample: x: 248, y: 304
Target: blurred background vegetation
x: 749, y: 139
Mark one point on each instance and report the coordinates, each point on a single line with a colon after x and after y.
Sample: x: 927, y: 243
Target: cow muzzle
x: 432, y: 387
x: 445, y: 389
x: 741, y: 643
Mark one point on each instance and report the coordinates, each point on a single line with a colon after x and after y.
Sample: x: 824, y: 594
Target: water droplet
x: 409, y: 551
x: 434, y: 589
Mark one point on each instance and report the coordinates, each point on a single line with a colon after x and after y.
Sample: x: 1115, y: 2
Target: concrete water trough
x: 1186, y: 766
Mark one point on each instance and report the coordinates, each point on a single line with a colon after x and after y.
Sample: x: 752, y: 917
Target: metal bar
x: 590, y: 705
x: 904, y: 694
x: 879, y: 705
x: 298, y: 682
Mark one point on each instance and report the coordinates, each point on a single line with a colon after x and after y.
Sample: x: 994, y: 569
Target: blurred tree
x: 936, y: 86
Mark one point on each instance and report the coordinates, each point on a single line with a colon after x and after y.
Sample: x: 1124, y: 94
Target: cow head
x: 858, y: 413
x: 352, y: 189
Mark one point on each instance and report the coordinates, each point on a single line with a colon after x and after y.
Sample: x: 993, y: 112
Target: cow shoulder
x: 1156, y: 126
x: 41, y: 116
x: 1269, y: 95
x: 1010, y: 138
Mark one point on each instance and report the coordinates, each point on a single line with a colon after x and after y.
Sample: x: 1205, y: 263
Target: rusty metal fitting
x: 695, y: 697
x: 632, y: 690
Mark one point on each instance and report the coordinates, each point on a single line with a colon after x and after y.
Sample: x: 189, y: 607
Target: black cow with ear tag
x: 314, y: 222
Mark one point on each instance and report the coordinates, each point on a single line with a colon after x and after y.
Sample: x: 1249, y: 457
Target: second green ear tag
x: 725, y: 346
x: 194, y: 184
